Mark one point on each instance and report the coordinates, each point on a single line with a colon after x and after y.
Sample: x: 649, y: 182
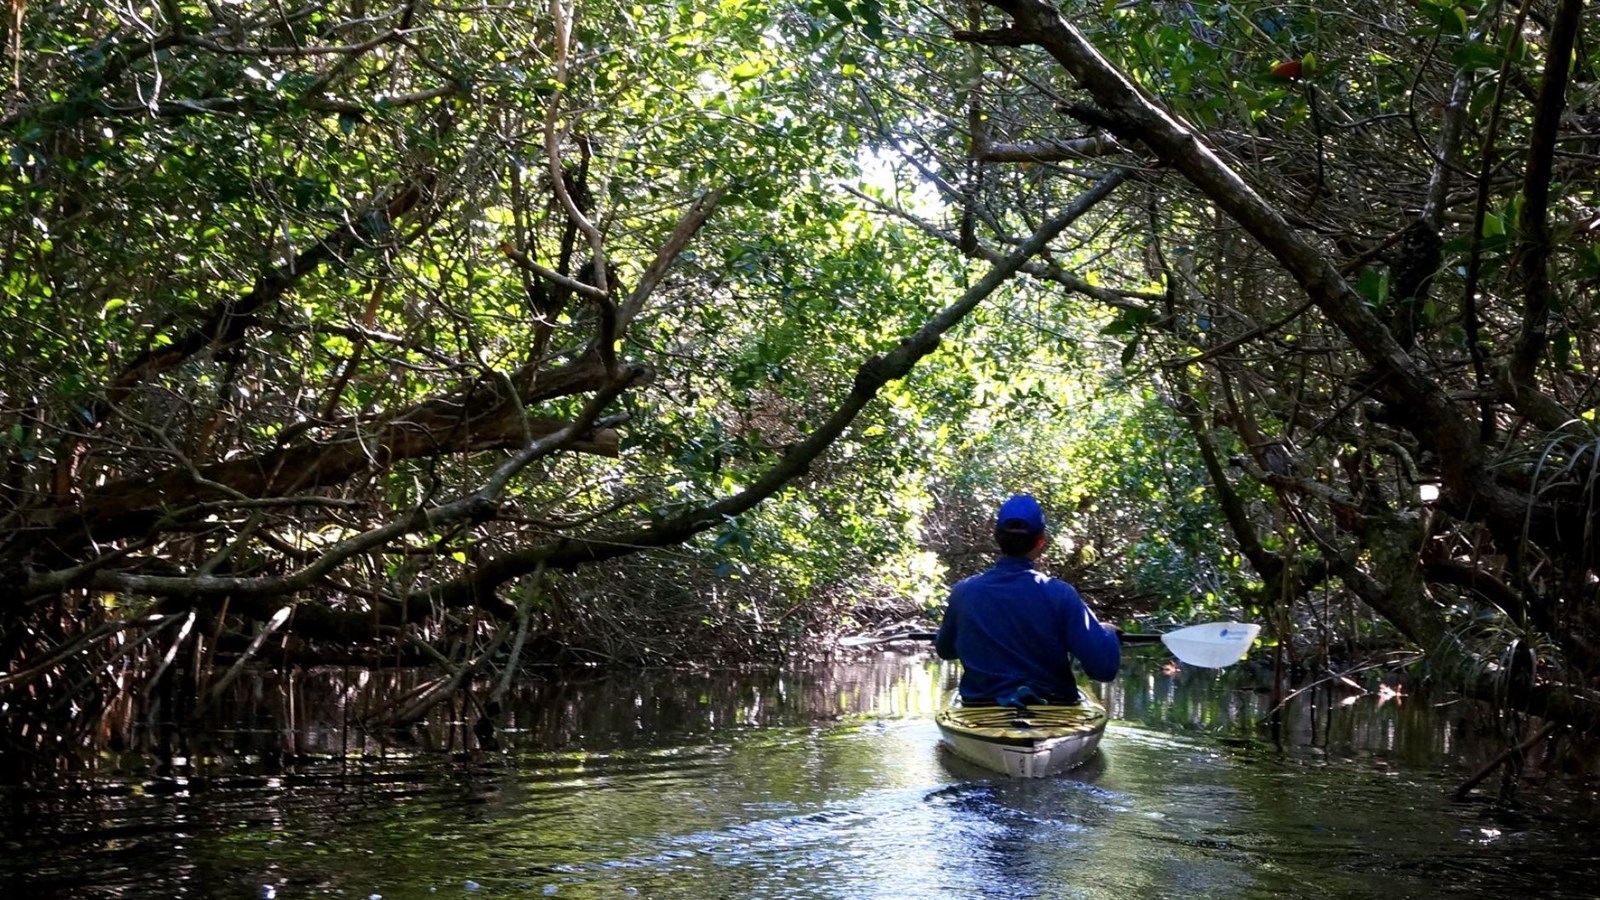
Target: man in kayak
x: 1016, y: 629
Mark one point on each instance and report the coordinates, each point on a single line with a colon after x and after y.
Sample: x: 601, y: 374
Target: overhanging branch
x: 870, y: 378
x: 480, y: 505
x: 1439, y: 423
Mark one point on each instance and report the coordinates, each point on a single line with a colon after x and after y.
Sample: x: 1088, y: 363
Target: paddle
x: 873, y: 640
x: 1213, y: 645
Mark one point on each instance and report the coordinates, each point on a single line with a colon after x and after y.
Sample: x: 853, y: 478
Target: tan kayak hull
x: 1032, y: 742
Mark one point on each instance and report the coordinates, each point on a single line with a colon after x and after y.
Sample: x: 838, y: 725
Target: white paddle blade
x: 1211, y: 646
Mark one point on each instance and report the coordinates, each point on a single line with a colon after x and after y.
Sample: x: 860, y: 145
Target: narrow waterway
x: 822, y: 782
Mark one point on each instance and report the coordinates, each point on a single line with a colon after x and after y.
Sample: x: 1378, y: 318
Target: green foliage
x: 241, y: 241
x: 233, y: 235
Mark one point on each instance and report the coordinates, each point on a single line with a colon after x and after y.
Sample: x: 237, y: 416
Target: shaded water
x: 819, y: 783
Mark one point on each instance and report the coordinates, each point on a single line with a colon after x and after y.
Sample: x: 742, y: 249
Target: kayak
x: 1030, y: 742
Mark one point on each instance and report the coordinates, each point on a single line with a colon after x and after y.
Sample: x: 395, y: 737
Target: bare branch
x: 691, y: 223
x: 1092, y: 147
x: 1043, y: 271
x: 479, y: 505
x: 551, y: 275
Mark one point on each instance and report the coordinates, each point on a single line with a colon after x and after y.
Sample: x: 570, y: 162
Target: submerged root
x: 1512, y: 758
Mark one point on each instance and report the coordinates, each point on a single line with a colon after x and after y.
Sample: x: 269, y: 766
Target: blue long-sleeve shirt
x: 1014, y: 627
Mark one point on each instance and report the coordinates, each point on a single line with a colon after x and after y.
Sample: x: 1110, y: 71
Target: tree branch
x: 480, y: 505
x: 870, y: 378
x: 1438, y: 421
x: 1091, y: 147
x: 691, y: 223
x: 1533, y: 255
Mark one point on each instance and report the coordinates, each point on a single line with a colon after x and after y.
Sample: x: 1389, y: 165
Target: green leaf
x: 1127, y: 322
x: 871, y: 14
x: 1513, y: 212
x: 1476, y: 56
x: 1373, y: 286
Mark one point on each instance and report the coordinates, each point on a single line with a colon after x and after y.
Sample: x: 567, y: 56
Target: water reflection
x: 822, y: 782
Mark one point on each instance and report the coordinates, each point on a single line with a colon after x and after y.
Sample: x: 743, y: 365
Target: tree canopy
x: 420, y: 331
x: 1369, y: 223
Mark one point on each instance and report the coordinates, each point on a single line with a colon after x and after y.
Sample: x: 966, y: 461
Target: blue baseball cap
x: 1020, y: 513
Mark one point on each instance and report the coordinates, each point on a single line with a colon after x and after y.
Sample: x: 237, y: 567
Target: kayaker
x: 1016, y: 630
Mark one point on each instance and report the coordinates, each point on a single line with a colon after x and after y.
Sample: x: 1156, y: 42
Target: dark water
x: 819, y: 783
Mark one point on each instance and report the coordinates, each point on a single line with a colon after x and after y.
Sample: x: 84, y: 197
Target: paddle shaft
x: 1213, y: 645
x: 1123, y: 636
x: 902, y: 636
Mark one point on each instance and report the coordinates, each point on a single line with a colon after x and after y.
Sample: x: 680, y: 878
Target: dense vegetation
x: 485, y: 335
